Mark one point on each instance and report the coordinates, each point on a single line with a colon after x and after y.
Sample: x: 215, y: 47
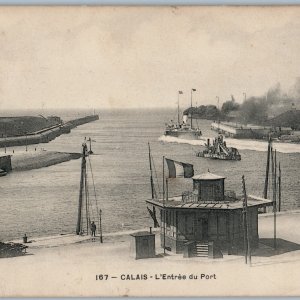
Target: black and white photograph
x: 149, y: 151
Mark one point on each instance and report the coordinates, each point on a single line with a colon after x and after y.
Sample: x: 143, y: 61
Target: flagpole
x: 164, y: 205
x: 275, y: 200
x: 151, y: 175
x: 178, y: 108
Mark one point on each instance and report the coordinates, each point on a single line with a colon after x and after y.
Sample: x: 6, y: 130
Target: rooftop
x: 227, y: 204
x: 208, y: 176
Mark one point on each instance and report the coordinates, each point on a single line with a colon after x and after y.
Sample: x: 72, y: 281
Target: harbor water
x: 44, y: 201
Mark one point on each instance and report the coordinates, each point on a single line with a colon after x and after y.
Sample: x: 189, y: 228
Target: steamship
x: 182, y: 129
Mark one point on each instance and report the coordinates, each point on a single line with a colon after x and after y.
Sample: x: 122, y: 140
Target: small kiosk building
x: 207, y: 216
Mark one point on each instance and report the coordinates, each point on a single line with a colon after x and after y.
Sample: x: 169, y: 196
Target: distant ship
x: 182, y: 129
x: 219, y: 150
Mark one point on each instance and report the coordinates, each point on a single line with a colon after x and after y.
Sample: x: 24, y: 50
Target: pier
x: 249, y: 131
x: 44, y: 135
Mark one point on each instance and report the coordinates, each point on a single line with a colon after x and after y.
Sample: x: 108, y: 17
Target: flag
x: 180, y: 92
x: 179, y: 169
x: 194, y: 90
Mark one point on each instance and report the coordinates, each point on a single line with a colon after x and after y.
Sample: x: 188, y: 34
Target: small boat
x: 219, y: 150
x: 2, y: 172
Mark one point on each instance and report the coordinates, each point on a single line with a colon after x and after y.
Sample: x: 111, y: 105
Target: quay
x: 64, y: 267
x: 240, y: 131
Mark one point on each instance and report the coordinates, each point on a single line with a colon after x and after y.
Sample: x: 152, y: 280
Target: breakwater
x: 80, y: 121
x: 35, y: 160
x: 47, y: 134
x: 40, y: 159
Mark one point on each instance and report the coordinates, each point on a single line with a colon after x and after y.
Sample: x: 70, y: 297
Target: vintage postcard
x: 149, y: 151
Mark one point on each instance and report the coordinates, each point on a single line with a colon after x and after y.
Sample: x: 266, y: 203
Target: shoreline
x: 71, y: 238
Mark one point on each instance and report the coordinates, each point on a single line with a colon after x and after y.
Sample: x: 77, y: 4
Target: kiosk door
x: 201, y: 229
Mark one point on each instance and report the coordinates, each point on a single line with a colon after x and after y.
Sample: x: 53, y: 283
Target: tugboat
x: 219, y: 150
x: 183, y: 130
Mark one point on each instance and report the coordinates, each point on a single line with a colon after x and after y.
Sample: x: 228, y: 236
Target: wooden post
x: 247, y: 220
x: 275, y: 176
x: 164, y: 205
x: 245, y: 232
x: 100, y: 225
x: 83, y: 167
x: 274, y: 197
x: 178, y: 121
x: 151, y: 175
x: 87, y: 214
x: 191, y: 108
x: 279, y: 189
x: 267, y: 172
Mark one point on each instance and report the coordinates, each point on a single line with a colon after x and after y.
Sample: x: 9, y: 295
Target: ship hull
x: 217, y: 156
x: 187, y: 135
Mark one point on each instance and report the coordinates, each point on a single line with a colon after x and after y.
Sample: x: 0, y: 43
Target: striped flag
x: 179, y: 169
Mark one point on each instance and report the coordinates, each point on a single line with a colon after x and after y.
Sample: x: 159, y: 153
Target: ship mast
x: 82, y: 183
x: 178, y: 119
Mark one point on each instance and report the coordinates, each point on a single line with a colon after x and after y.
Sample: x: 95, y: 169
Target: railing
x: 190, y: 197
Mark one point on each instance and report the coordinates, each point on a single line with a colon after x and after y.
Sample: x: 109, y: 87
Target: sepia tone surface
x: 136, y: 59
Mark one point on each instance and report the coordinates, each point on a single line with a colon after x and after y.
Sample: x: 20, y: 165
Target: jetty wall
x: 40, y: 159
x: 80, y: 121
x: 45, y: 135
x: 241, y: 131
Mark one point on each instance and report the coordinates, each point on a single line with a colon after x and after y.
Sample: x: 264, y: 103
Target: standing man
x: 93, y: 229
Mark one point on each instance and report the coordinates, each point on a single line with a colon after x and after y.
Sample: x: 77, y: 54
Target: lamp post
x: 179, y: 93
x: 218, y: 114
x: 192, y: 90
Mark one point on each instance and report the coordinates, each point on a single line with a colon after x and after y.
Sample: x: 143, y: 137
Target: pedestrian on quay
x: 93, y: 229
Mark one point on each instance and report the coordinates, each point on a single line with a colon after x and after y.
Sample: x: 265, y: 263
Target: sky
x: 140, y: 57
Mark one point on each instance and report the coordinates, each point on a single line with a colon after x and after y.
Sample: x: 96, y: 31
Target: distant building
x: 289, y: 118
